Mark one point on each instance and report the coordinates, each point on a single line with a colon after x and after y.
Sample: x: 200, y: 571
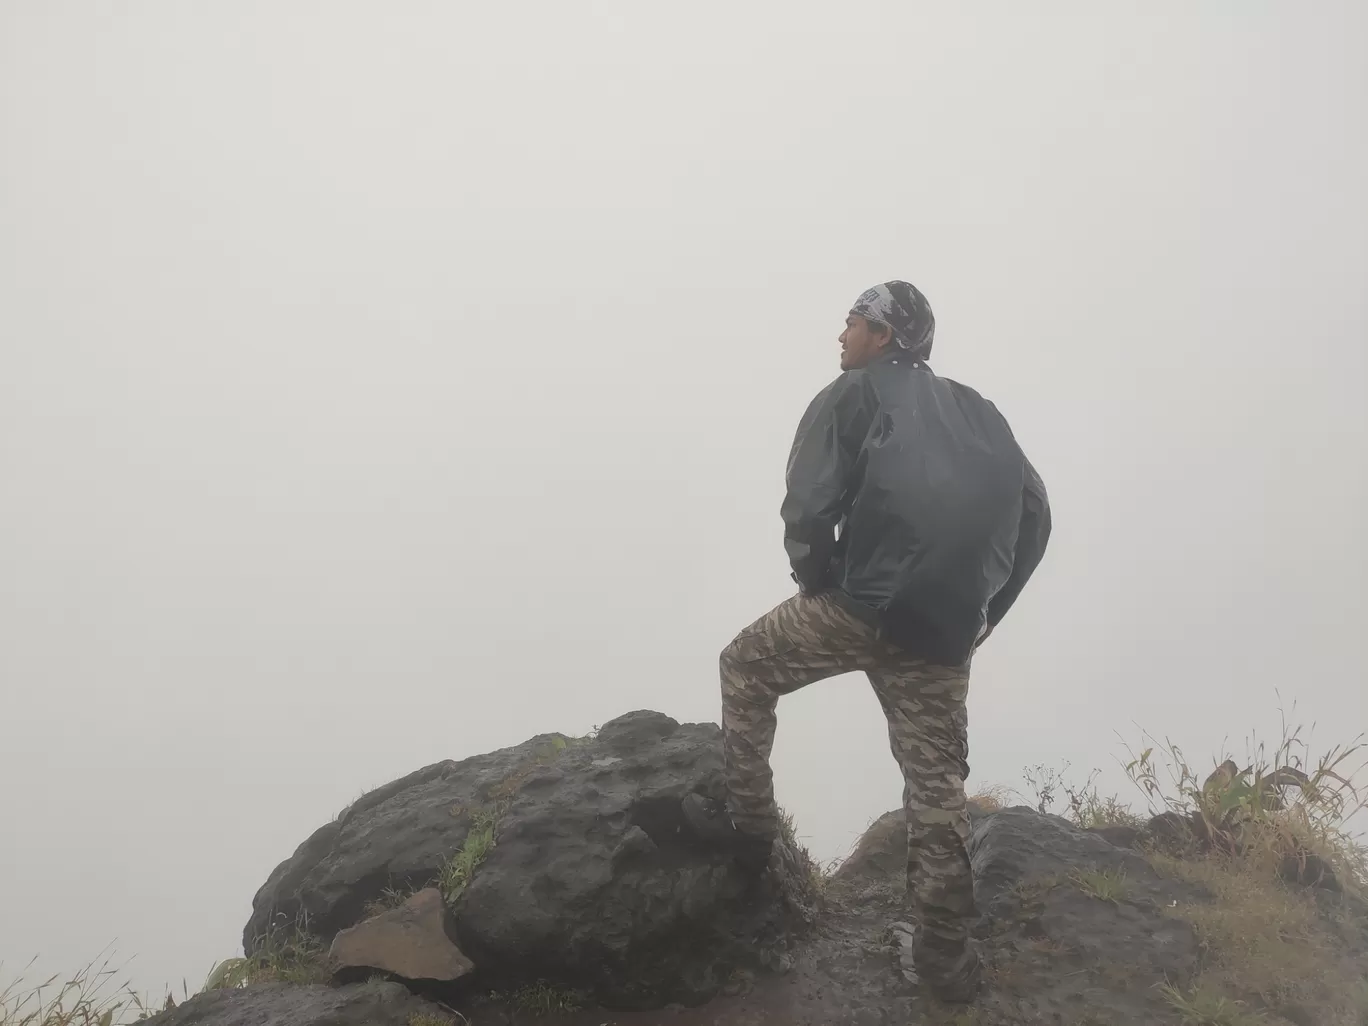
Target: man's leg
x: 928, y: 730
x: 800, y: 641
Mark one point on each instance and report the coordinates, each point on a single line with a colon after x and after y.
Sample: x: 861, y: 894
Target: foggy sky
x: 385, y: 383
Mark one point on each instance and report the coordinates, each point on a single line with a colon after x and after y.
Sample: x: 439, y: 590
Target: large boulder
x: 590, y: 882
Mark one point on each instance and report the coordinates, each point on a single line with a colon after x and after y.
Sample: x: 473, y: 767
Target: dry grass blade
x: 89, y: 998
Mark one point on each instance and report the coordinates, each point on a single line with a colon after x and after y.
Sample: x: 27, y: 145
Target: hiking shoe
x: 957, y: 984
x: 709, y: 821
x: 960, y: 989
x: 956, y: 981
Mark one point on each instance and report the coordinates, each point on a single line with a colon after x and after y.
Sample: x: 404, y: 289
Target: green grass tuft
x: 460, y: 868
x: 287, y: 954
x: 541, y: 998
x: 390, y: 898
x: 1203, y: 1007
x: 428, y: 1019
x: 1104, y: 885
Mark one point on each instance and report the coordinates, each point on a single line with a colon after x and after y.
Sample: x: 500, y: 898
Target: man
x: 912, y: 522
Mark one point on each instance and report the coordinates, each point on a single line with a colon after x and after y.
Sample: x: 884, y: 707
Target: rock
x: 1078, y: 918
x: 1175, y: 834
x: 284, y: 1004
x: 399, y: 835
x: 410, y: 941
x: 1053, y: 947
x: 1309, y: 870
x: 878, y: 862
x: 591, y: 884
x: 1120, y: 836
x: 879, y: 858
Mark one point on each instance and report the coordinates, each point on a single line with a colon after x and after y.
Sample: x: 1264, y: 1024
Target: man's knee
x: 728, y: 661
x: 742, y: 691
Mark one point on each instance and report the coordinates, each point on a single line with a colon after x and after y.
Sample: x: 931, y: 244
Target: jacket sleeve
x: 818, y: 479
x: 1032, y: 537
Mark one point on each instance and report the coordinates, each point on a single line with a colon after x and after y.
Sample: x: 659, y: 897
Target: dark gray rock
x: 1120, y: 835
x: 1054, y: 949
x: 1077, y: 922
x: 398, y: 835
x: 285, y: 1004
x: 591, y: 883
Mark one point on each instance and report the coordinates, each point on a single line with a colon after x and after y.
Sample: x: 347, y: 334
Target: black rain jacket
x: 908, y: 495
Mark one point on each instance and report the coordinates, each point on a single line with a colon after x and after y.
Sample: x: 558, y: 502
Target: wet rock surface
x: 592, y: 889
x: 590, y: 883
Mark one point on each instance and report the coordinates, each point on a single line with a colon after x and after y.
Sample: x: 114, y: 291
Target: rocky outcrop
x: 583, y: 876
x: 1069, y: 922
x: 565, y: 872
x: 284, y: 1004
x: 410, y: 941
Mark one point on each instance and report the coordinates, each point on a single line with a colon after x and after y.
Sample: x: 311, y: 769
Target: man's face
x: 861, y: 342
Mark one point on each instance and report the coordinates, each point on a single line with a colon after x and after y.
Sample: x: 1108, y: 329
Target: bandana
x: 906, y: 313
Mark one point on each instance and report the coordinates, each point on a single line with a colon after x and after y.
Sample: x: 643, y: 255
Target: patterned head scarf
x: 905, y: 311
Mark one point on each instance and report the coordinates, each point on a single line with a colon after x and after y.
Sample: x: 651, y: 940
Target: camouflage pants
x: 807, y: 639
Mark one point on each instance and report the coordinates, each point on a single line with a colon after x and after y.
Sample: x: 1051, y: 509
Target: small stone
x: 410, y: 941
x: 634, y: 842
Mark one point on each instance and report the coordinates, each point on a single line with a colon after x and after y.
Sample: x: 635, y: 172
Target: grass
x: 428, y: 1019
x: 1267, y: 942
x: 1271, y: 951
x: 1283, y: 808
x: 541, y: 998
x: 287, y: 954
x: 816, y: 875
x: 88, y: 998
x: 1083, y: 804
x: 389, y: 899
x: 1104, y: 884
x: 459, y: 870
x: 993, y: 798
x: 1202, y: 1007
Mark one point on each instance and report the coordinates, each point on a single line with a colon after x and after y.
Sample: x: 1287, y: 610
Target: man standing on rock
x: 912, y: 522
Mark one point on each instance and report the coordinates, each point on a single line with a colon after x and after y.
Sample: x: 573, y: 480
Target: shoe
x: 709, y: 821
x: 959, y: 985
x: 963, y: 988
x: 958, y: 982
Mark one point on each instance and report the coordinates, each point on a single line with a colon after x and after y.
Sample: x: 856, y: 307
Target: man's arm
x: 819, y: 469
x: 1032, y: 538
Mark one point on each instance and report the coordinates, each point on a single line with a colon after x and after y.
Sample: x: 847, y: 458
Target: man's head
x: 894, y: 313
x: 863, y: 341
